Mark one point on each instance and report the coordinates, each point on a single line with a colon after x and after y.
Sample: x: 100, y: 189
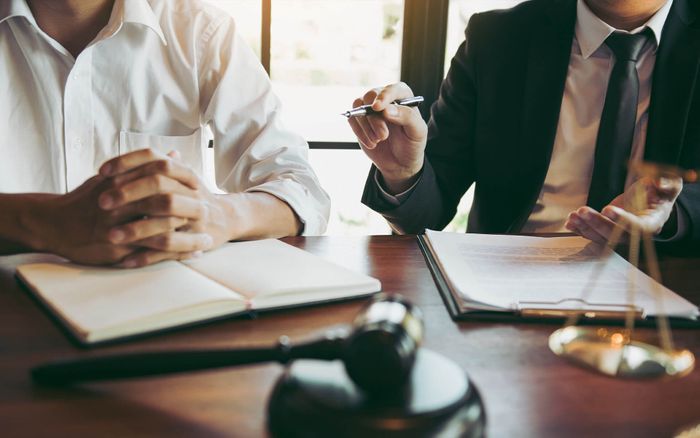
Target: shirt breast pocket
x: 189, y: 146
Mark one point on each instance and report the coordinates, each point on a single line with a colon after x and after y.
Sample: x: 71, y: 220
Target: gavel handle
x: 128, y: 365
x: 125, y: 366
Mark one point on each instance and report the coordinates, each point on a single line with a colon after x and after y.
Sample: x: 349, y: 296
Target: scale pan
x: 611, y: 352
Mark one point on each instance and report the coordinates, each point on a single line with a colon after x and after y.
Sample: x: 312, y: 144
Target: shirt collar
x: 15, y: 8
x: 134, y: 12
x: 591, y: 31
x: 124, y: 11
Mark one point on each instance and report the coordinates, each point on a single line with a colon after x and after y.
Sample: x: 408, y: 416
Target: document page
x: 515, y: 272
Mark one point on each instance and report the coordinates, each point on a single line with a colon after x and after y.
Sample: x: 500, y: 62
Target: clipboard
x: 541, y: 312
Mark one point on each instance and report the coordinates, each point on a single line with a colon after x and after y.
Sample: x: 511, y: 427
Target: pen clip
x: 409, y: 101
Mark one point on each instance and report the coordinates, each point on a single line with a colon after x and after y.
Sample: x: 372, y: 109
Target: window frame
x: 422, y: 53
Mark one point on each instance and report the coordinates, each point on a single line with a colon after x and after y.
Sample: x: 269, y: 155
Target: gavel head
x: 380, y: 352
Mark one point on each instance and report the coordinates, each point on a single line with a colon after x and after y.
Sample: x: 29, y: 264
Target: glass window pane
x: 321, y: 61
x: 248, y: 17
x: 342, y: 174
x: 324, y: 53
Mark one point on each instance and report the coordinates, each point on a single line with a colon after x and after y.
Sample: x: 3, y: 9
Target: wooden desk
x: 527, y: 390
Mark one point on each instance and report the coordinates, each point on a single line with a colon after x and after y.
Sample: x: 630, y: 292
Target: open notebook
x: 100, y: 304
x: 492, y: 275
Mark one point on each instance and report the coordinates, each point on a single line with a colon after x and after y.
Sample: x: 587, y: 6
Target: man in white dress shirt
x: 543, y: 107
x: 106, y: 112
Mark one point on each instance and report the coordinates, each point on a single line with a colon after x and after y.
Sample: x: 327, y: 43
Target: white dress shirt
x: 569, y: 175
x: 164, y: 74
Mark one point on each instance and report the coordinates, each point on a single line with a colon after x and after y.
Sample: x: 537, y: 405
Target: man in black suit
x: 543, y: 106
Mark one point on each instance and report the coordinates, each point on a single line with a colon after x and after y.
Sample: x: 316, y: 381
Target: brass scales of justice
x: 614, y: 352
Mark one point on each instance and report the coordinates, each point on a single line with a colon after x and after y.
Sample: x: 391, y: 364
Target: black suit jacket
x: 495, y: 121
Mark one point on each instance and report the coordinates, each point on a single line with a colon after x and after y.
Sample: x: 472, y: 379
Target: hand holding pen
x: 395, y: 135
x: 367, y: 110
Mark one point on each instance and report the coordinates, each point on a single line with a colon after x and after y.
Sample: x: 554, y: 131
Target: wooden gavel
x: 378, y: 352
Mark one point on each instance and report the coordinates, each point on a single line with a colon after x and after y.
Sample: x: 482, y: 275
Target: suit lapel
x: 548, y: 62
x: 675, y: 78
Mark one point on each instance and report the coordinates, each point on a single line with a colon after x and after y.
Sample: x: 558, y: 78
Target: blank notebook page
x: 98, y: 298
x: 270, y: 267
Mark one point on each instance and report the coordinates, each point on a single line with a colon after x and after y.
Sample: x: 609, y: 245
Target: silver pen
x: 366, y: 110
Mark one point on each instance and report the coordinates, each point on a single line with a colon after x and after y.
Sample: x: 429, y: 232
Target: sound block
x: 318, y: 399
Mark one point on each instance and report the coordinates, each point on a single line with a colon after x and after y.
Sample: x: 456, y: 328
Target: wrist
x: 233, y: 209
x: 257, y: 215
x: 28, y: 220
x: 399, y: 182
x: 41, y: 221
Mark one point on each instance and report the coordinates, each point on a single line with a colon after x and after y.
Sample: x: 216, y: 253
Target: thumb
x: 669, y: 187
x: 410, y: 119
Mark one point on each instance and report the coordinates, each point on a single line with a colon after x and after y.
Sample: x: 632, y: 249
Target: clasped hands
x: 142, y: 208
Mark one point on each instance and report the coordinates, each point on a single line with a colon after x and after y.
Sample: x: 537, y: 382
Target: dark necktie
x: 617, y: 123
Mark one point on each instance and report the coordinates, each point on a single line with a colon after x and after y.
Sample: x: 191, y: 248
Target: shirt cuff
x: 310, y: 204
x: 397, y: 199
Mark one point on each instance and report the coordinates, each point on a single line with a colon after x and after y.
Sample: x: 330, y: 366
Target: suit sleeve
x: 689, y: 202
x: 449, y: 158
x: 681, y: 235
